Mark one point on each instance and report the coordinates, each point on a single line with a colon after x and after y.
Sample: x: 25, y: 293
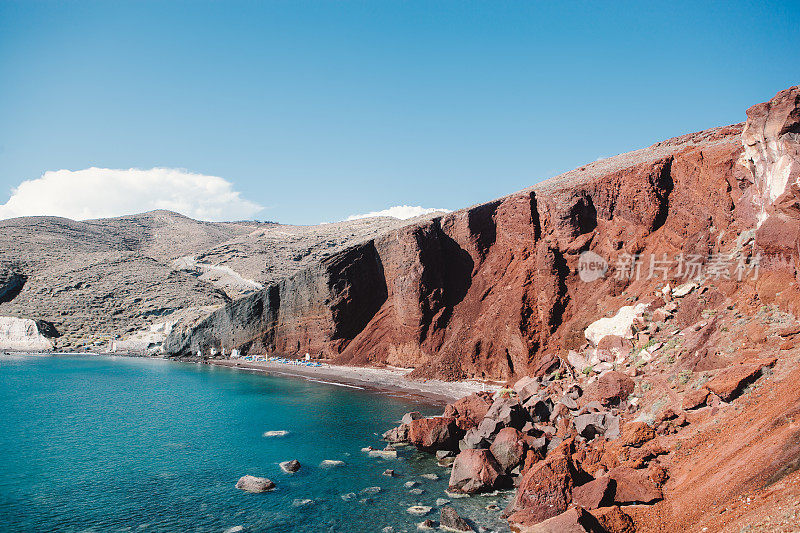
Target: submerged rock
x: 419, y: 510
x: 384, y: 454
x: 328, y: 463
x: 255, y: 484
x: 450, y: 520
x: 276, y: 433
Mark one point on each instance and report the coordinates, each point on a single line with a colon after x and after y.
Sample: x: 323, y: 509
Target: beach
x: 391, y: 381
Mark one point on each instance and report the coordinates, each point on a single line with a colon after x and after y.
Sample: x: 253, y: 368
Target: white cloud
x: 400, y: 211
x: 106, y: 192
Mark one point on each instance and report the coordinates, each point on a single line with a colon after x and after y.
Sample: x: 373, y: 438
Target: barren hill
x: 99, y: 279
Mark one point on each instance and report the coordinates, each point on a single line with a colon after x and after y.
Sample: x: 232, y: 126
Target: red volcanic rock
x: 472, y: 408
x: 634, y: 486
x: 574, y: 520
x: 694, y: 399
x: 612, y: 346
x: 475, y: 471
x: 614, y: 520
x: 610, y: 389
x: 435, y: 433
x: 492, y: 291
x: 594, y: 494
x: 509, y: 448
x: 545, y: 490
x: 729, y: 383
x: 636, y: 433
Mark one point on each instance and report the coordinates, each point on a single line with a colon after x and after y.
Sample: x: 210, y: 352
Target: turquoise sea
x: 91, y: 443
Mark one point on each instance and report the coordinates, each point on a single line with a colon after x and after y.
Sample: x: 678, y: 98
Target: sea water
x: 126, y: 444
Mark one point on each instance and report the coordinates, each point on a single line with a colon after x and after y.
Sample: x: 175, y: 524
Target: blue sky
x: 320, y: 110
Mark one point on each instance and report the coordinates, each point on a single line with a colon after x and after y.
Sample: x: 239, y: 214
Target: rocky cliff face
x: 495, y: 290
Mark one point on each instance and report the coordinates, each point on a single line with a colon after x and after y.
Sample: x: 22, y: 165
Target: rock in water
x: 254, y: 484
x: 410, y: 417
x: 419, y: 510
x: 276, y: 433
x: 328, y: 463
x: 450, y: 520
x: 290, y: 467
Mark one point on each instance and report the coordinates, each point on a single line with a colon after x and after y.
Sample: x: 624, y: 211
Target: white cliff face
x: 22, y: 334
x: 771, y: 139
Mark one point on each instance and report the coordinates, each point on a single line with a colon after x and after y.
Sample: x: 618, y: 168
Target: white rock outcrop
x: 771, y: 139
x: 22, y: 334
x: 620, y: 324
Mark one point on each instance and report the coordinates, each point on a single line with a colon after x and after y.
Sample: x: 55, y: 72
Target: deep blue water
x: 124, y: 444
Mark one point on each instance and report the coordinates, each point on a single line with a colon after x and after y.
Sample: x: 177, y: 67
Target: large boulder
x: 596, y: 493
x: 474, y: 439
x: 545, y: 490
x: 508, y: 412
x: 590, y: 425
x: 397, y: 435
x: 435, y: 433
x: 254, y: 484
x: 539, y: 409
x: 526, y: 387
x: 509, y: 448
x: 475, y: 471
x: 612, y: 388
x: 472, y: 408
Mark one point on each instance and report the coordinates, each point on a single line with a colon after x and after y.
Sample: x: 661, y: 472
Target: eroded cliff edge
x: 493, y: 291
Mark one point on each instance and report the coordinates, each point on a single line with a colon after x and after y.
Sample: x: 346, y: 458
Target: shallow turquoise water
x: 113, y: 444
